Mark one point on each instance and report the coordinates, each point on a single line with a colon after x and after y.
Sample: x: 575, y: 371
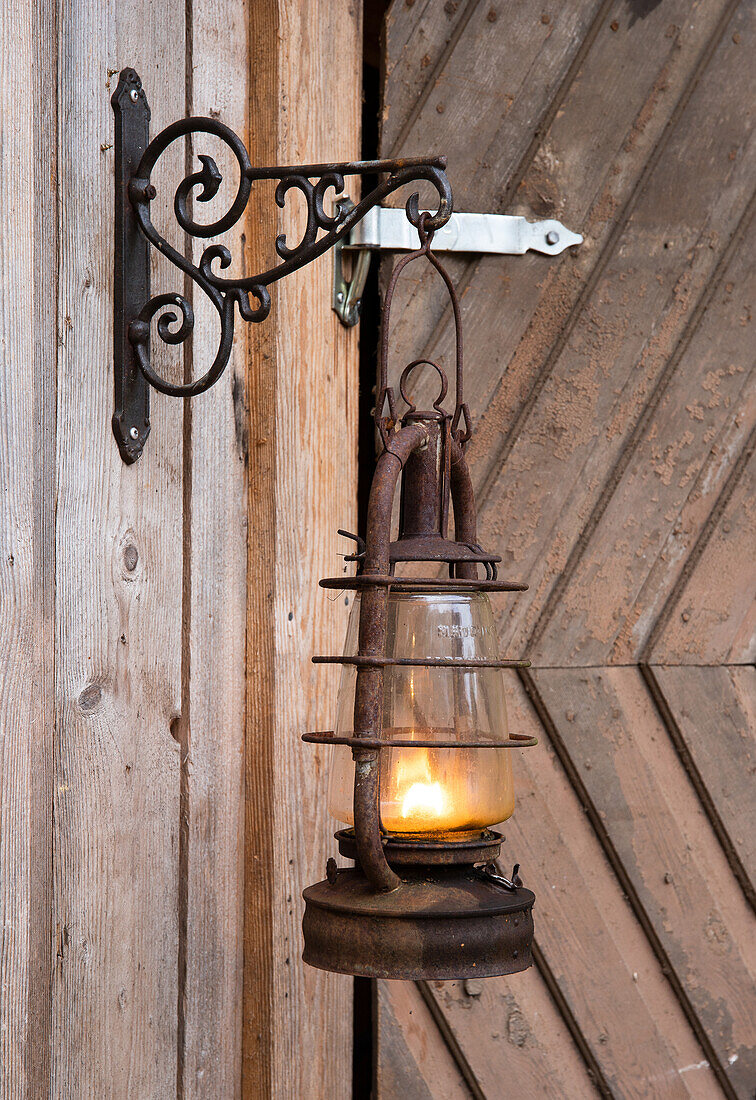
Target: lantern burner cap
x: 474, y: 847
x: 440, y: 923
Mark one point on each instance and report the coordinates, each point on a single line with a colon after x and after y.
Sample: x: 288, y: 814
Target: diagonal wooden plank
x: 658, y: 836
x: 411, y: 1058
x: 515, y: 68
x: 617, y: 361
x: 711, y: 713
x: 419, y: 40
x: 593, y: 945
x: 711, y: 615
x: 511, y: 1036
x: 28, y: 343
x: 589, y: 168
x: 118, y: 606
x: 674, y: 469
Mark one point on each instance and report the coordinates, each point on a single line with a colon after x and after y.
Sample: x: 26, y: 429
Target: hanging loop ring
x: 438, y: 403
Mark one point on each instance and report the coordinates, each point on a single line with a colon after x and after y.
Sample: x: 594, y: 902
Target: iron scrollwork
x: 136, y: 309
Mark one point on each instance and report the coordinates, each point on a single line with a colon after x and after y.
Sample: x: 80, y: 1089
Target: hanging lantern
x: 420, y: 767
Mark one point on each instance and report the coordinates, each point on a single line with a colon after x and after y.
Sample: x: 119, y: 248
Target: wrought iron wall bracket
x: 134, y: 307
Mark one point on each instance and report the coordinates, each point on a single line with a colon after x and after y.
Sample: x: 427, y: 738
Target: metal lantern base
x: 442, y: 922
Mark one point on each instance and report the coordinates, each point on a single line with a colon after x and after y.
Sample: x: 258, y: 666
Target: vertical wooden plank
x: 303, y: 406
x: 28, y: 336
x: 212, y: 730
x: 118, y: 606
x: 261, y: 728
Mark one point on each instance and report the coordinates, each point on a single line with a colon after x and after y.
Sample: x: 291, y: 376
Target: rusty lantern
x: 420, y: 766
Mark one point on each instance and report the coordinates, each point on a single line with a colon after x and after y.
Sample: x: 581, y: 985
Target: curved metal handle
x: 385, y: 392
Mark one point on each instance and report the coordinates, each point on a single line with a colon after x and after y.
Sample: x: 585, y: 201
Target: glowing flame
x: 425, y: 800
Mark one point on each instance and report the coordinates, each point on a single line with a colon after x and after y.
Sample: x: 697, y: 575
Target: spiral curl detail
x: 203, y: 186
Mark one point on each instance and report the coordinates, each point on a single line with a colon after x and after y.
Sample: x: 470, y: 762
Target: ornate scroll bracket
x: 134, y: 307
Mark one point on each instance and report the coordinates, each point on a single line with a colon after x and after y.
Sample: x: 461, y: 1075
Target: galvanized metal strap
x: 385, y: 229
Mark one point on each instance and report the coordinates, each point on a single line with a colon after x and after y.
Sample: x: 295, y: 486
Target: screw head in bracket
x: 552, y: 237
x: 133, y: 95
x: 134, y: 433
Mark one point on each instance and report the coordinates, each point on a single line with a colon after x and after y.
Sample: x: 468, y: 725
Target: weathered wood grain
x: 259, y: 750
x: 28, y: 339
x: 215, y: 533
x: 118, y: 609
x: 617, y: 359
x: 302, y: 476
x: 593, y: 149
x: 711, y: 618
x: 714, y: 710
x: 411, y: 1058
x: 681, y: 460
x: 613, y: 144
x: 512, y: 1038
x: 653, y: 822
x: 594, y: 946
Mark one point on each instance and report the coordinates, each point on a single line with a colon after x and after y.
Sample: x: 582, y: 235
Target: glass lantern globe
x: 428, y: 792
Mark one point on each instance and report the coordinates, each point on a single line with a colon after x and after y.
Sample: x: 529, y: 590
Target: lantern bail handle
x: 460, y: 426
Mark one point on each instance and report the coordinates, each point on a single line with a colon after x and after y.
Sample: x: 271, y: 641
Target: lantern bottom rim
x: 438, y: 924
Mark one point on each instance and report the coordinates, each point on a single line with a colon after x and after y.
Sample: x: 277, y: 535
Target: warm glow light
x: 424, y: 789
x: 424, y: 800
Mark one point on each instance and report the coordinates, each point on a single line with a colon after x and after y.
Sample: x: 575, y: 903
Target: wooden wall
x: 614, y: 402
x: 141, y: 690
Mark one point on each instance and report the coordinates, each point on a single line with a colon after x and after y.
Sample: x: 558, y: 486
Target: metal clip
x: 491, y: 873
x: 347, y: 296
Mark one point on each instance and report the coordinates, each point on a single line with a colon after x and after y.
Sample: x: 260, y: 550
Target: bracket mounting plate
x: 131, y: 415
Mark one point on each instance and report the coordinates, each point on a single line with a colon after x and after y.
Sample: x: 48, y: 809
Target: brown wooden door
x: 613, y: 397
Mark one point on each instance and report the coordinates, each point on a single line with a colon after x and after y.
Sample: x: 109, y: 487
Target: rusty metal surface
x: 410, y: 584
x: 368, y: 697
x: 483, y: 847
x: 327, y: 737
x: 440, y: 923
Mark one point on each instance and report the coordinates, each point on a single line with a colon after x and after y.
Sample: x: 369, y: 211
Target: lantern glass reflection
x: 432, y: 790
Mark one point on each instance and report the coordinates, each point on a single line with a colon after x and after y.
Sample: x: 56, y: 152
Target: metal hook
x: 347, y: 294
